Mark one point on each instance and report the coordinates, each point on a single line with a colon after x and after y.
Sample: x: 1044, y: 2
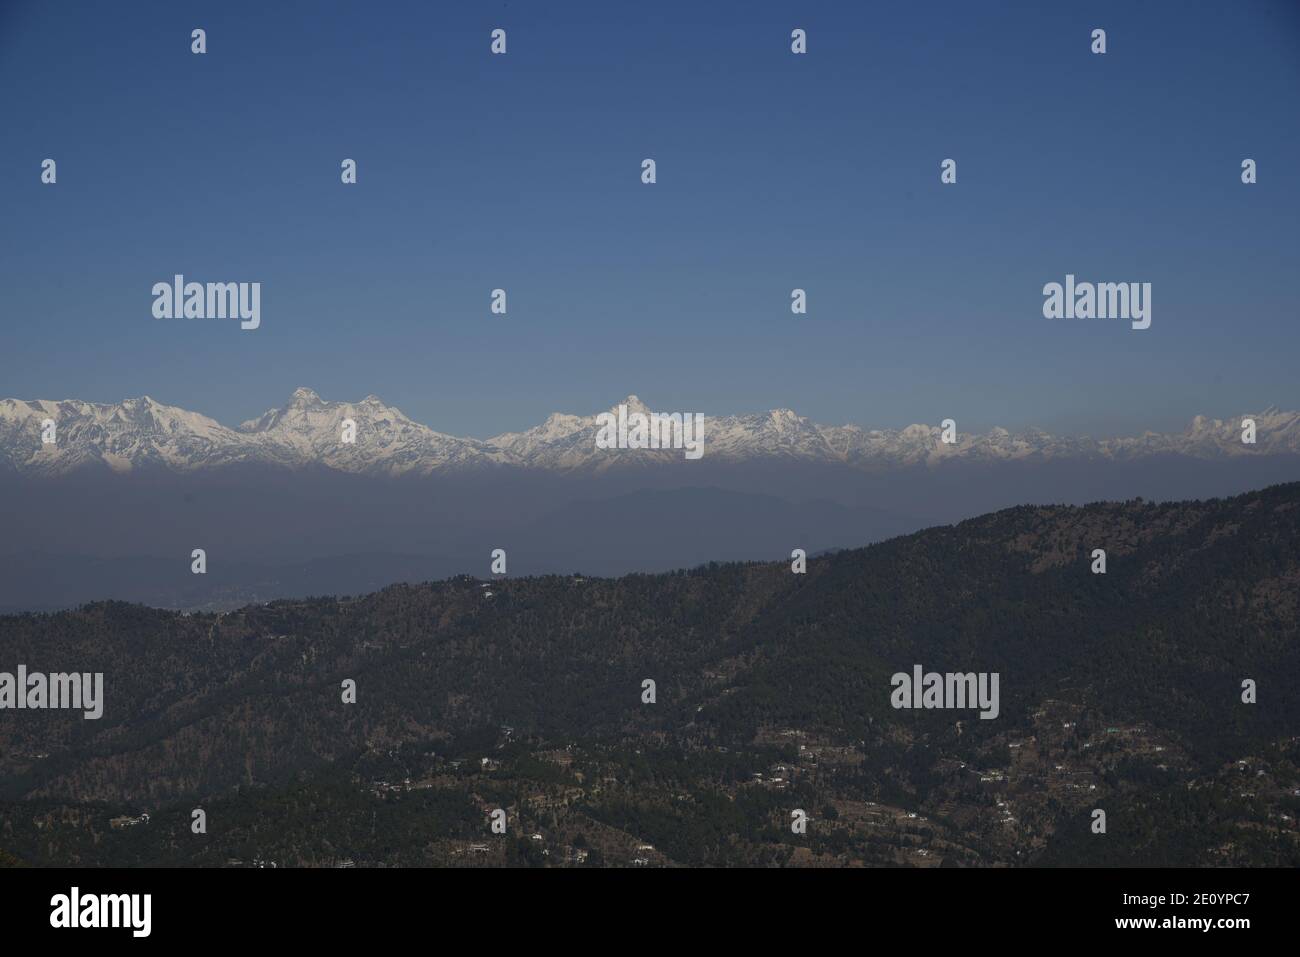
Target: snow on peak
x: 310, y: 431
x: 633, y: 403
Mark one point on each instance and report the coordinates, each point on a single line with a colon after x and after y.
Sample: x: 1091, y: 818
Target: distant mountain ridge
x: 141, y: 432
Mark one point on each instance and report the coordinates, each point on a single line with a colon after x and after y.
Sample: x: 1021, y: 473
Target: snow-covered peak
x: 369, y: 436
x: 133, y: 432
x: 632, y: 403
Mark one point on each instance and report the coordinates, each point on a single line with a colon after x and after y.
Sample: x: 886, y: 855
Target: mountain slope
x: 308, y: 431
x: 1120, y: 690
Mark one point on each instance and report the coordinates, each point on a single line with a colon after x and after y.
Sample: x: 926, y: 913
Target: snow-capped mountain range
x: 307, y: 431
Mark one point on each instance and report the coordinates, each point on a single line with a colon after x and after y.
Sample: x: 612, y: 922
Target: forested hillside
x: 1120, y: 691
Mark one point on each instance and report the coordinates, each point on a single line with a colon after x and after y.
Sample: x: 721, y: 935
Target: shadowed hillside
x: 1120, y: 691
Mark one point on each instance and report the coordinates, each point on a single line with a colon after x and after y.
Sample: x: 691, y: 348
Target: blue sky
x: 774, y: 171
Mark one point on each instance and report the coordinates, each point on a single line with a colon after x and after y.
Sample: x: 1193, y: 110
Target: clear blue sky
x: 775, y: 171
